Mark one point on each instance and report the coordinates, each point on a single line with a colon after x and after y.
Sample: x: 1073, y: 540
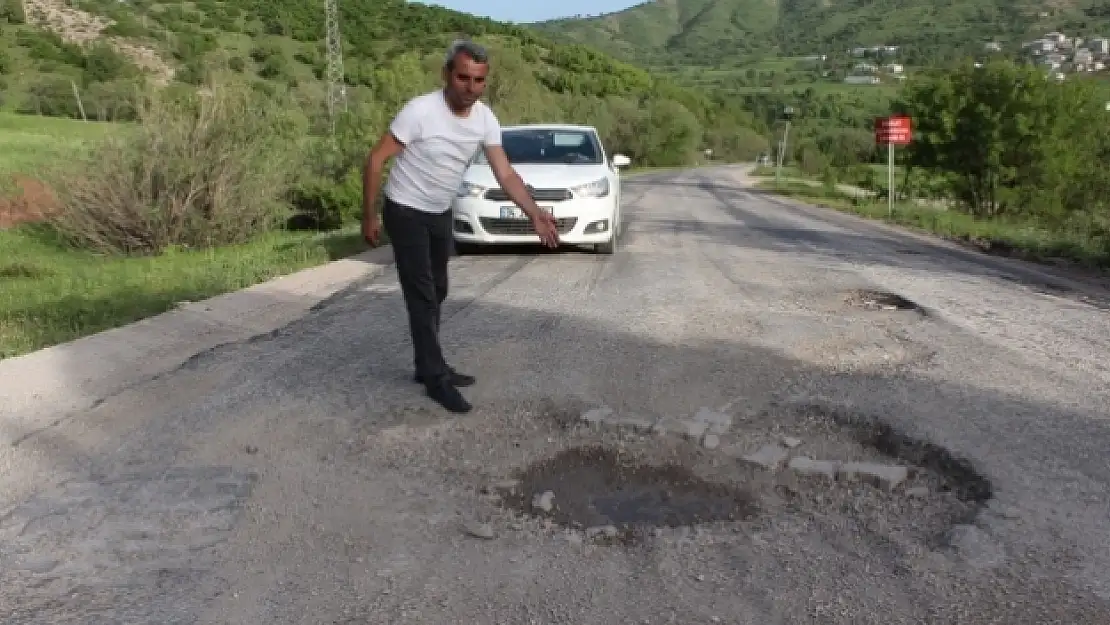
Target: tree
x: 1007, y: 140
x: 11, y: 11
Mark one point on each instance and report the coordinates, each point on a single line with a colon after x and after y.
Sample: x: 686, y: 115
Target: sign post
x: 891, y: 131
x: 787, y: 114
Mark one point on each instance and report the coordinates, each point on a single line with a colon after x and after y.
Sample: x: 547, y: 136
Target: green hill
x: 728, y: 32
x: 392, y: 49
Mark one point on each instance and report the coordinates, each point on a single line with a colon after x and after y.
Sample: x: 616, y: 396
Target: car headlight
x: 467, y: 189
x: 597, y: 188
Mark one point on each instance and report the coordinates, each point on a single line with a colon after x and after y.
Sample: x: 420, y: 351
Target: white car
x: 569, y: 175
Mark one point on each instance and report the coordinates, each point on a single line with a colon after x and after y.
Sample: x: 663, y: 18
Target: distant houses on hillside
x: 1058, y: 53
x: 867, y: 73
x: 1061, y: 54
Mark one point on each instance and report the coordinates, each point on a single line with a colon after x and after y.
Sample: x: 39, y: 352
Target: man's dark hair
x: 464, y: 47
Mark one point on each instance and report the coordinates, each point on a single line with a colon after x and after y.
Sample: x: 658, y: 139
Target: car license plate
x: 514, y: 212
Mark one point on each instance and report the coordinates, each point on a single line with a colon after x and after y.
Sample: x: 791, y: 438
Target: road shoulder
x: 39, y: 386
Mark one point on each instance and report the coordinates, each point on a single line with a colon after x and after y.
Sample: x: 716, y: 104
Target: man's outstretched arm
x: 514, y: 187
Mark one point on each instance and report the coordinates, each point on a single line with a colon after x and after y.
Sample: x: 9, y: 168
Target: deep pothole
x: 596, y: 488
x: 869, y: 299
x: 954, y: 474
x: 631, y: 477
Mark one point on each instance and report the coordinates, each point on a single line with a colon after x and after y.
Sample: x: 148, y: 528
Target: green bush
x: 197, y: 170
x: 323, y: 204
x: 126, y: 26
x: 11, y: 11
x: 111, y: 101
x: 52, y: 97
x: 275, y: 68
x: 104, y: 64
x: 261, y: 53
x: 43, y: 45
x: 192, y: 72
x: 193, y: 46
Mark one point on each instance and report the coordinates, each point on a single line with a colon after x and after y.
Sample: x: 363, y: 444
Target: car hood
x: 545, y: 176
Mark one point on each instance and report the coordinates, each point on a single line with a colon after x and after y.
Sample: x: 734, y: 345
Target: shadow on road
x: 808, y: 230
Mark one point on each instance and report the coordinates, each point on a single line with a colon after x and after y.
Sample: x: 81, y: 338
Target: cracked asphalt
x: 301, y: 477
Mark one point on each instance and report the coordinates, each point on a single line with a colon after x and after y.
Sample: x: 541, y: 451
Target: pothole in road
x: 603, y: 491
x: 881, y: 300
x: 954, y: 474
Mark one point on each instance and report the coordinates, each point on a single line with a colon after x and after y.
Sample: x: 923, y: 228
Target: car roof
x: 549, y: 127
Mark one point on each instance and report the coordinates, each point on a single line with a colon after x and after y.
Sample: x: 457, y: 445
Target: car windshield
x: 548, y: 145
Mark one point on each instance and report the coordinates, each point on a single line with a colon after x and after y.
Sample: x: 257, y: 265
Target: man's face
x: 466, y: 81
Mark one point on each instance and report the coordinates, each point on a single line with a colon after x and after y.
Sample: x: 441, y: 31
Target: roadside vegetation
x: 1002, y: 157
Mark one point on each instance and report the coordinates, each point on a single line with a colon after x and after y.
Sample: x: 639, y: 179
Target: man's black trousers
x: 422, y: 244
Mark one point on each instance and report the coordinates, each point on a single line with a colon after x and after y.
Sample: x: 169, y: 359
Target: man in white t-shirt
x: 434, y: 136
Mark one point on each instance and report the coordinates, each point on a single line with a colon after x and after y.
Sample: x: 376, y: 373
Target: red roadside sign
x: 894, y: 130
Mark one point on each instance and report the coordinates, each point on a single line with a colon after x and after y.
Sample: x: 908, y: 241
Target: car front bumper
x: 581, y: 221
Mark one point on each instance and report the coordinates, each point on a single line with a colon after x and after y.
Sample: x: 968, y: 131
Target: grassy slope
x: 49, y: 294
x: 29, y: 143
x: 716, y: 32
x: 196, y: 36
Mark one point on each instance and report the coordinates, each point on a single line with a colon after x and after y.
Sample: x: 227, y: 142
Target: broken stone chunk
x: 790, y: 442
x: 768, y: 457
x: 597, y: 415
x: 544, y: 501
x: 689, y: 428
x: 714, y: 422
x: 608, y: 531
x: 630, y: 422
x: 807, y: 466
x: 883, y: 476
x: 479, y: 530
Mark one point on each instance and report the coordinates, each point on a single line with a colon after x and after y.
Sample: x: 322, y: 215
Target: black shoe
x: 449, y: 397
x: 454, y: 377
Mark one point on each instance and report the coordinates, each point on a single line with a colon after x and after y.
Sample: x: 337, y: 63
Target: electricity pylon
x: 337, y: 89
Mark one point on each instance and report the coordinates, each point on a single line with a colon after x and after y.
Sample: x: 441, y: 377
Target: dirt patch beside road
x: 31, y: 201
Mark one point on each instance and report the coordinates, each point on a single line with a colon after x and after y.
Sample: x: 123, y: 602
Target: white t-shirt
x: 438, y: 148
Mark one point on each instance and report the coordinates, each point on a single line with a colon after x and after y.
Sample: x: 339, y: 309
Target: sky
x: 533, y: 10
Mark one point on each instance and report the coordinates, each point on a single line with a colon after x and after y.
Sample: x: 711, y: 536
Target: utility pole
x: 889, y: 180
x: 787, y: 113
x: 337, y: 88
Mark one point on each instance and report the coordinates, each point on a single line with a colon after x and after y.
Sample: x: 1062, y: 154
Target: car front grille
x: 493, y: 225
x: 539, y: 195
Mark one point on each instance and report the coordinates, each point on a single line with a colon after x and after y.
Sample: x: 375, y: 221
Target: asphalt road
x: 301, y: 477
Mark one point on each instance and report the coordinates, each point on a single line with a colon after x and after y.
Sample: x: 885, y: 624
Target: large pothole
x: 597, y: 487
x: 881, y: 301
x: 953, y: 474
x: 799, y: 459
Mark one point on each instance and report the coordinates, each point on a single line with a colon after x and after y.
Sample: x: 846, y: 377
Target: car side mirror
x: 620, y: 160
